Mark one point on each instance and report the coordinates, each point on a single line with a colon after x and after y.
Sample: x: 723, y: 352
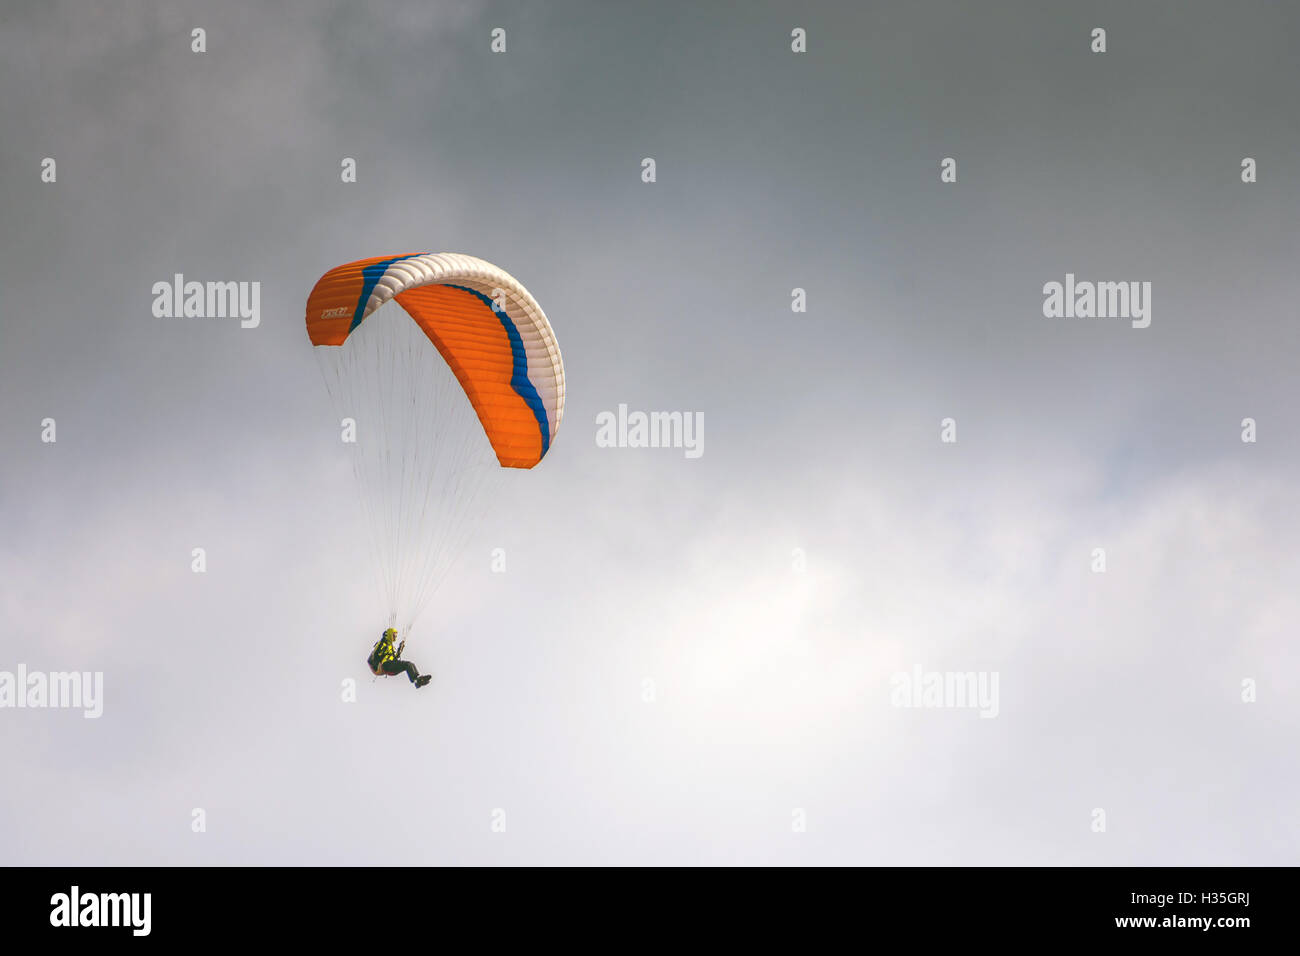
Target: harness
x: 381, y: 654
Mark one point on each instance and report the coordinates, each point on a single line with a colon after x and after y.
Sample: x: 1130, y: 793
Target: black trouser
x: 399, y: 666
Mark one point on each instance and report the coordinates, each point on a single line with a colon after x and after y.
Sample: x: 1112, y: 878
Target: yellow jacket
x: 381, y: 654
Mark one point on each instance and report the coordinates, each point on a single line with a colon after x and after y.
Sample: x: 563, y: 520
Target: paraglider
x: 386, y: 660
x: 445, y: 372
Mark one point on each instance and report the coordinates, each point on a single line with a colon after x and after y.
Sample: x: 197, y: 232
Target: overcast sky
x: 687, y: 660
